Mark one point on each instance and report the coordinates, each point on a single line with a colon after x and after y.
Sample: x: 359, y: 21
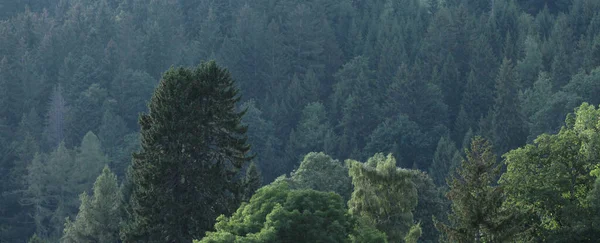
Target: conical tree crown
x: 193, y: 147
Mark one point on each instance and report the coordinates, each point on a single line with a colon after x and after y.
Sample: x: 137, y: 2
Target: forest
x: 212, y: 121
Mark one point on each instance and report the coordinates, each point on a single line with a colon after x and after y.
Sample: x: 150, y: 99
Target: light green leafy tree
x: 99, y: 215
x: 384, y: 196
x: 277, y: 213
x: 550, y: 179
x: 320, y: 172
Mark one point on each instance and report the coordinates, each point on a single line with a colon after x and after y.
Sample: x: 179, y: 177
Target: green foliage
x: 431, y: 204
x: 384, y: 195
x: 366, y: 232
x: 193, y: 146
x: 312, y: 129
x: 54, y: 181
x: 261, y: 134
x: 403, y: 138
x: 35, y: 239
x: 535, y: 104
x: 415, y: 71
x: 477, y: 214
x: 99, y: 215
x: 277, y: 213
x: 252, y: 181
x: 549, y: 180
x: 414, y: 234
x: 507, y: 122
x: 445, y: 159
x: 320, y: 172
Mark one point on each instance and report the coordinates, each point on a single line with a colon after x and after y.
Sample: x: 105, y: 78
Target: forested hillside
x: 430, y: 93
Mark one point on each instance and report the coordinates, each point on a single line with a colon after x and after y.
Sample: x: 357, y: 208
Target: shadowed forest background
x: 417, y: 79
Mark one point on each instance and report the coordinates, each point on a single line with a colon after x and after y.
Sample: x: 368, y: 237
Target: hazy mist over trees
x: 299, y: 121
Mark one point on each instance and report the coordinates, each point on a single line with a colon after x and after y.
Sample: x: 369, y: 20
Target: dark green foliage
x: 508, y: 126
x: 261, y: 134
x: 403, y: 138
x: 312, y: 133
x: 445, y: 159
x: 277, y: 213
x: 193, y: 146
x: 36, y: 239
x: 416, y: 70
x: 430, y: 204
x: 252, y: 181
x: 477, y: 214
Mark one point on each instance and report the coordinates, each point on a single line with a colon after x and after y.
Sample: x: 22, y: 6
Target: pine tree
x: 508, y: 125
x: 55, y: 123
x: 99, y: 215
x: 262, y: 136
x: 531, y: 65
x: 252, y: 181
x: 193, y: 146
x: 445, y: 159
x: 476, y: 214
x: 312, y: 129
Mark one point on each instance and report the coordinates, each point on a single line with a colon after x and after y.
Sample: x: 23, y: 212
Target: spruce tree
x: 477, y: 215
x: 445, y: 158
x: 193, y: 147
x: 508, y: 127
x: 252, y: 181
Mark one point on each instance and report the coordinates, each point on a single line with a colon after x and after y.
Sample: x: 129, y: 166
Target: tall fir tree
x: 477, y: 214
x: 193, y: 147
x: 55, y: 118
x: 445, y: 159
x: 508, y: 127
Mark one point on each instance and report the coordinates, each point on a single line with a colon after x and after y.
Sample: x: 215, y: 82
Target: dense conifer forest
x: 299, y: 121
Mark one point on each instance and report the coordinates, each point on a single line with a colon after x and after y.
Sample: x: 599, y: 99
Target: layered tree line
x: 426, y: 97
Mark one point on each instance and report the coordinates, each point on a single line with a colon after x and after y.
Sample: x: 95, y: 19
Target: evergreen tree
x: 431, y: 204
x: 193, y: 146
x: 312, y: 129
x: 99, y: 215
x: 55, y: 123
x: 252, y: 181
x: 476, y: 101
x: 535, y: 102
x: 477, y: 214
x: 403, y: 138
x: 445, y: 159
x: 531, y: 65
x: 261, y: 134
x: 111, y: 133
x: 508, y: 126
